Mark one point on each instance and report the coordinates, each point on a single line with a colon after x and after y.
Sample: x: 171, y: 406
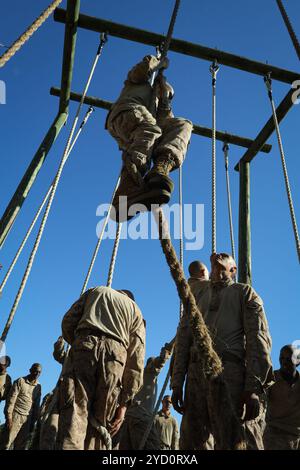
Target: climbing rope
x: 211, y: 362
x: 226, y: 150
x: 214, y: 68
x: 163, y: 54
x: 180, y: 228
x: 159, y: 400
x: 32, y: 225
x: 99, y: 240
x: 28, y: 33
x: 268, y: 82
x: 226, y: 426
x: 114, y: 256
x: 289, y: 27
x: 52, y: 194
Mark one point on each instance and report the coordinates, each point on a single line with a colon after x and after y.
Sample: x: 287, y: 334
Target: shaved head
x: 223, y: 266
x: 197, y: 269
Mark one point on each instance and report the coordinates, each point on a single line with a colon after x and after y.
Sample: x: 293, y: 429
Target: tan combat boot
x: 129, y: 194
x: 158, y: 175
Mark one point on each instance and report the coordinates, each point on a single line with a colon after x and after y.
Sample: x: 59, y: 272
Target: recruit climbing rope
x: 32, y: 225
x: 226, y: 151
x: 268, y: 82
x: 11, y: 51
x: 214, y: 68
x: 103, y: 40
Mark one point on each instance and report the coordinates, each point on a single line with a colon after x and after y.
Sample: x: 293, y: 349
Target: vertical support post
x: 22, y: 191
x: 244, y: 272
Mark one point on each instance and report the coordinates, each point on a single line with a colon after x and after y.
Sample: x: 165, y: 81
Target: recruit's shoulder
x: 247, y: 292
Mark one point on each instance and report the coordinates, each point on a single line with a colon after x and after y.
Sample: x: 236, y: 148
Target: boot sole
x: 160, y: 182
x: 155, y: 196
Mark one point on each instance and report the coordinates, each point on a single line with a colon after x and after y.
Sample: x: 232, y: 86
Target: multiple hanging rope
x: 32, y: 225
x: 52, y: 194
x: 11, y: 51
x: 268, y: 82
x: 214, y: 68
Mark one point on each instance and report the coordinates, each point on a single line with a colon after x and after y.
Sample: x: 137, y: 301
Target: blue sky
x: 252, y: 29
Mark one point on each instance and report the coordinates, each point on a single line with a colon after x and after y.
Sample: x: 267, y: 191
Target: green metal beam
x: 72, y: 15
x: 268, y: 129
x: 28, y: 179
x: 244, y: 271
x: 183, y: 47
x: 199, y: 130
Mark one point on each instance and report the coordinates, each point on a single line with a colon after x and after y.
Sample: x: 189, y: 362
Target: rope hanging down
x: 268, y: 82
x: 28, y: 33
x: 226, y: 425
x: 164, y: 52
x: 32, y: 225
x: 51, y: 197
x: 95, y: 254
x: 214, y: 68
x: 180, y: 229
x: 226, y: 150
x: 114, y: 256
x: 289, y: 27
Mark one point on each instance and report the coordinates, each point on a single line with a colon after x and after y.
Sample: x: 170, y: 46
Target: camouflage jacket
x: 237, y: 323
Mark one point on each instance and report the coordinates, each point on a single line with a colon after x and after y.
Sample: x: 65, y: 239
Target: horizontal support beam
x: 282, y: 110
x: 199, y: 130
x: 183, y: 47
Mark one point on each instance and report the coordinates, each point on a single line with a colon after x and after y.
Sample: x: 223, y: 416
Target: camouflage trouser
x: 134, y: 427
x: 91, y: 386
x: 196, y: 431
x: 138, y: 134
x: 277, y: 439
x: 49, y: 430
x: 19, y: 432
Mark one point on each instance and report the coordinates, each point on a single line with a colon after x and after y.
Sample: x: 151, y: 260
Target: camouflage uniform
x: 235, y: 317
x: 140, y: 412
x: 49, y: 415
x: 283, y: 415
x: 22, y: 407
x: 167, y: 429
x: 107, y: 334
x: 5, y: 386
x: 137, y: 132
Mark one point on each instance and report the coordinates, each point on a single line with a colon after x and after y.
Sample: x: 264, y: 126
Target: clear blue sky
x: 253, y: 29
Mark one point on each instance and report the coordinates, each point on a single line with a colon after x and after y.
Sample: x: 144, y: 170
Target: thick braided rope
x: 180, y: 228
x: 114, y: 256
x: 289, y: 27
x: 28, y: 33
x: 212, y: 365
x: 225, y: 149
